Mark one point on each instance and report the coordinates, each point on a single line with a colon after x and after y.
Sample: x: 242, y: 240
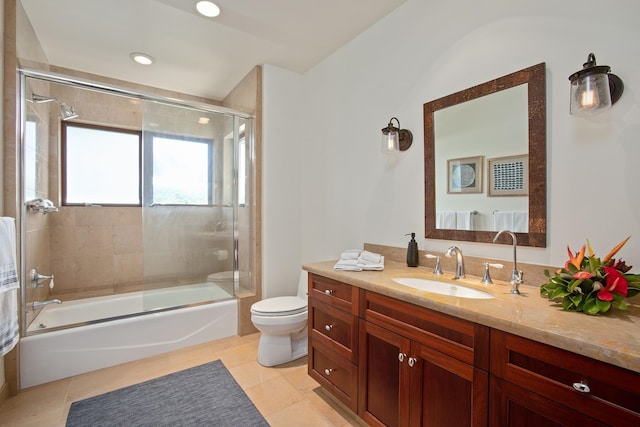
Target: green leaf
x: 574, y: 284
x: 568, y: 305
x: 576, y: 299
x: 603, y: 306
x: 590, y: 307
x: 558, y: 293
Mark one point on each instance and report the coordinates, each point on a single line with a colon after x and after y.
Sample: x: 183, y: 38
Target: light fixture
x: 594, y: 88
x: 142, y: 58
x: 66, y: 112
x: 207, y: 8
x: 394, y: 138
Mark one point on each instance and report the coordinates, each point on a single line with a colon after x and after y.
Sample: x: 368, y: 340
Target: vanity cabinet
x: 398, y: 364
x: 333, y: 334
x: 535, y: 384
x: 418, y: 367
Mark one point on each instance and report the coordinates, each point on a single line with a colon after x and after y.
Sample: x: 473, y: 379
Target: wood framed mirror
x: 517, y: 97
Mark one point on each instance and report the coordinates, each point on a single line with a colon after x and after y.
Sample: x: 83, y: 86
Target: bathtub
x: 49, y: 353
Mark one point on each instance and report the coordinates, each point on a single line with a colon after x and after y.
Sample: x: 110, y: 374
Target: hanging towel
x: 8, y: 286
x: 446, y: 220
x: 464, y: 220
x: 520, y: 221
x: 503, y: 220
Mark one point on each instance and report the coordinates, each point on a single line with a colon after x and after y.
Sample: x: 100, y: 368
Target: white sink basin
x: 443, y: 288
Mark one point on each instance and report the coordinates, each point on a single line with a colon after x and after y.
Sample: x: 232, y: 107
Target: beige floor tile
x: 273, y: 395
x: 292, y: 416
x: 252, y: 373
x: 301, y: 381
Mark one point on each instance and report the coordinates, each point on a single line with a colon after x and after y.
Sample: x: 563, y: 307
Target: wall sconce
x: 594, y: 88
x: 394, y: 138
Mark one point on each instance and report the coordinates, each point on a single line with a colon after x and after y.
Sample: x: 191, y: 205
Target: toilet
x: 282, y: 322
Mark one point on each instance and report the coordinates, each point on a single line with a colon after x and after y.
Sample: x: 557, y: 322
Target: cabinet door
x: 445, y: 391
x: 383, y: 385
x: 514, y: 406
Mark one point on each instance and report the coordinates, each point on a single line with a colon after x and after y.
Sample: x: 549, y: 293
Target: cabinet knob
x: 328, y: 371
x: 401, y: 357
x: 328, y: 328
x: 582, y: 387
x: 328, y: 291
x: 412, y: 361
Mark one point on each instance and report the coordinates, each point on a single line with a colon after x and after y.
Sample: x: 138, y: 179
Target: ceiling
x: 197, y: 55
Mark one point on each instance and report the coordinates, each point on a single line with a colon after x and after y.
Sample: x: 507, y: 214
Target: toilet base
x: 278, y: 349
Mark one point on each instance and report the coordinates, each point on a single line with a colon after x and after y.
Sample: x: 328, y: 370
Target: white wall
x: 283, y: 135
x: 351, y: 193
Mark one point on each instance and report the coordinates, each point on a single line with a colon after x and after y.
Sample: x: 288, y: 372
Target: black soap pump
x: 412, y: 251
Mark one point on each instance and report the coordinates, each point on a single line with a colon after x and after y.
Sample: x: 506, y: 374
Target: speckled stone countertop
x: 613, y: 338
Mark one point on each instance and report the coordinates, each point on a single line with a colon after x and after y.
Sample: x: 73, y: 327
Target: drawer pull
x: 582, y: 387
x: 412, y: 361
x: 328, y: 328
x: 401, y: 357
x: 328, y: 371
x: 328, y: 291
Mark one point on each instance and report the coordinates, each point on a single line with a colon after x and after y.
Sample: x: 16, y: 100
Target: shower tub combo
x: 50, y: 352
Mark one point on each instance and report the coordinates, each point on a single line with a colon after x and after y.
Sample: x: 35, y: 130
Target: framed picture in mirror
x: 464, y: 175
x: 508, y: 176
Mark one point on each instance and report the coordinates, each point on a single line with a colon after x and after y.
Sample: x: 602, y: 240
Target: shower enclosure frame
x: 52, y: 77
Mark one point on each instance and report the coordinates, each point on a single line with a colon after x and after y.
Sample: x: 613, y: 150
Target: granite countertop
x: 612, y: 338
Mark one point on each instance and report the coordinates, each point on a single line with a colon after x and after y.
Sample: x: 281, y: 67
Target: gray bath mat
x: 206, y: 395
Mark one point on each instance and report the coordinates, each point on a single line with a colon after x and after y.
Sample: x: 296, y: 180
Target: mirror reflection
x: 485, y: 160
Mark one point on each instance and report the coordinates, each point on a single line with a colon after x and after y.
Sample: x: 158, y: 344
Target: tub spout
x: 39, y: 304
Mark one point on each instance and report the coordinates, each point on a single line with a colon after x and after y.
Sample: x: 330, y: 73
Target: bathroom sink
x: 443, y: 288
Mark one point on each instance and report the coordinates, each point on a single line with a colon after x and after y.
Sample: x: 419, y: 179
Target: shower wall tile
x: 127, y: 239
x: 96, y: 240
x: 127, y: 270
x: 94, y: 271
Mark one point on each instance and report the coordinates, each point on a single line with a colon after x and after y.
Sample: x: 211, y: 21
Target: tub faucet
x: 459, y: 261
x: 39, y: 304
x: 516, y: 276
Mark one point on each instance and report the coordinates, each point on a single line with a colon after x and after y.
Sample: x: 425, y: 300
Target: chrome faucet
x: 36, y: 278
x: 459, y: 261
x: 39, y: 304
x: 516, y: 276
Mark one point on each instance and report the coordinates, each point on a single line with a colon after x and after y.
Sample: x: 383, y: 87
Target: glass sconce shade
x: 394, y: 138
x: 593, y: 89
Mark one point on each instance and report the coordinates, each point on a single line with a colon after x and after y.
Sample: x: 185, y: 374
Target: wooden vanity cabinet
x: 333, y: 334
x: 536, y: 384
x: 420, y: 368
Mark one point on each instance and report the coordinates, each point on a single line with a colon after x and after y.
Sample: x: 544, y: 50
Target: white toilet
x: 282, y: 322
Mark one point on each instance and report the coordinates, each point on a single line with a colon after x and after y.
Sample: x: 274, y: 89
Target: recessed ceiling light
x: 207, y: 8
x: 203, y: 120
x: 142, y: 58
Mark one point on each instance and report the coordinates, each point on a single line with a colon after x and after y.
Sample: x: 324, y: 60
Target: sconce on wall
x: 394, y: 138
x: 594, y: 88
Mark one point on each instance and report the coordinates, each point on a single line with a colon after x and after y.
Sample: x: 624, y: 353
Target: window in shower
x: 179, y: 169
x: 101, y: 165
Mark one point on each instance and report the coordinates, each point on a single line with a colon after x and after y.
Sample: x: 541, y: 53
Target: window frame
x: 63, y: 174
x: 147, y: 172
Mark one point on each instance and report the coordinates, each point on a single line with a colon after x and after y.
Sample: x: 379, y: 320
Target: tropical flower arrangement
x: 590, y: 284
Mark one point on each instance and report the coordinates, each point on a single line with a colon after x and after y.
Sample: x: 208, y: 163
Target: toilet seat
x: 279, y: 306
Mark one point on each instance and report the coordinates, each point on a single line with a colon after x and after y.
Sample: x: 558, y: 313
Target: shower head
x: 66, y: 112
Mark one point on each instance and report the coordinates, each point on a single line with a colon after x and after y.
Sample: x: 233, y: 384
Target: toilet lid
x: 279, y: 306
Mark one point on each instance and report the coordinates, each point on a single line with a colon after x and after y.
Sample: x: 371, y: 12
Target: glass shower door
x: 188, y: 215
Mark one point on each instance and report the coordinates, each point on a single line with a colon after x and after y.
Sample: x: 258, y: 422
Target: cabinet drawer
x: 613, y: 396
x: 337, y: 294
x: 335, y: 328
x: 458, y: 338
x: 335, y: 373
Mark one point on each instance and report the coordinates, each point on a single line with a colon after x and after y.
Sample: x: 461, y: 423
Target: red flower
x: 615, y: 282
x: 582, y: 275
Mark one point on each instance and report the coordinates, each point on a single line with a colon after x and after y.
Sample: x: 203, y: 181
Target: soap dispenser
x: 412, y: 251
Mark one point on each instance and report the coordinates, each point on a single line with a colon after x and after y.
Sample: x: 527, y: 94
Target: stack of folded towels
x: 357, y: 260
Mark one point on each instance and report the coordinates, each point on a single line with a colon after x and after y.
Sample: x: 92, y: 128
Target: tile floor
x: 285, y: 395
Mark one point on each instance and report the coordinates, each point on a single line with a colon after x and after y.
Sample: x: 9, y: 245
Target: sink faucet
x: 459, y: 261
x: 516, y: 276
x: 39, y: 304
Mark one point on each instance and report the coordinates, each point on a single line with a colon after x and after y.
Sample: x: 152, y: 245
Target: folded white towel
x: 350, y: 254
x: 347, y: 264
x: 367, y: 257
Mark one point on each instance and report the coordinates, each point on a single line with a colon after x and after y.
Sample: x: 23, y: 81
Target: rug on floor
x: 206, y: 395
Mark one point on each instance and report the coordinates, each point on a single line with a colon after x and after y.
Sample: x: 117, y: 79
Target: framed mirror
x: 485, y: 160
